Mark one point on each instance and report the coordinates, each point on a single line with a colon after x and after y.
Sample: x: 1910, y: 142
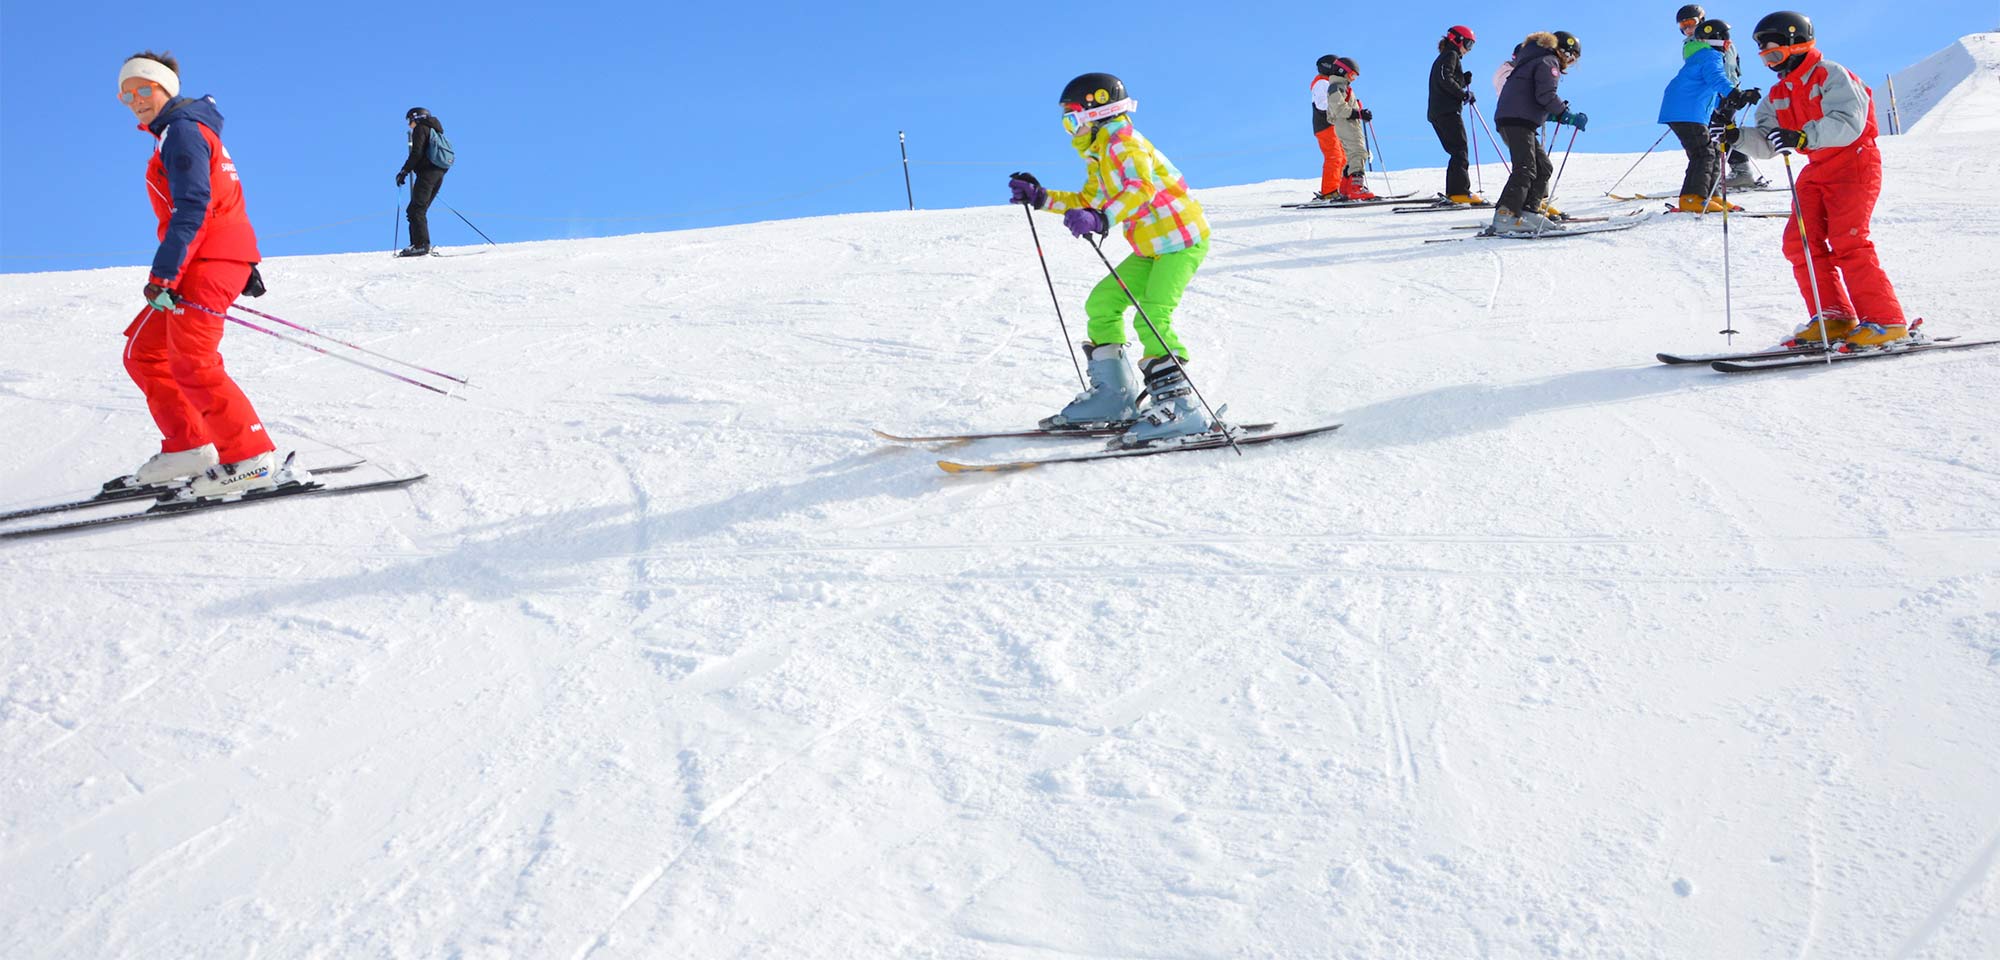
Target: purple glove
x: 1027, y: 190
x: 1084, y: 221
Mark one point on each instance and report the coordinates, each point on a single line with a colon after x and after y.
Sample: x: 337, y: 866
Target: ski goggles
x: 1688, y: 25
x: 1076, y: 116
x: 1777, y: 53
x: 144, y: 90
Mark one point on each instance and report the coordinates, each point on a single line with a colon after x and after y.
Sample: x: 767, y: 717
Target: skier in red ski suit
x: 1821, y: 109
x: 207, y: 250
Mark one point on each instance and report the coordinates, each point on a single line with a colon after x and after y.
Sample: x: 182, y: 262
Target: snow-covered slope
x: 1552, y: 651
x: 1955, y: 91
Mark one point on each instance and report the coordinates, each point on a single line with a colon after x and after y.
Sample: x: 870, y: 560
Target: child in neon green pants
x: 1132, y: 184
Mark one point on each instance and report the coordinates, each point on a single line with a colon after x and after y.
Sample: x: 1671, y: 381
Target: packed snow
x: 1956, y: 90
x: 1552, y: 650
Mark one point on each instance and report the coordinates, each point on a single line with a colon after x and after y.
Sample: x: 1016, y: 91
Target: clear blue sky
x: 603, y: 110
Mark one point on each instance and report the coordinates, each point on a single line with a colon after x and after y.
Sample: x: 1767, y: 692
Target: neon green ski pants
x: 1158, y: 282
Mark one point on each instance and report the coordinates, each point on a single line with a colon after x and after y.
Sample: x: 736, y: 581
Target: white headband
x: 146, y: 68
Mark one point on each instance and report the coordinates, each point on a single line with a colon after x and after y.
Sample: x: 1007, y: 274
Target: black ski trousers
x: 422, y: 192
x: 1529, y: 184
x: 1458, y: 172
x: 1704, y: 160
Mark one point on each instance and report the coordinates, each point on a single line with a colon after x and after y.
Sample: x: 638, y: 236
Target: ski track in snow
x: 1551, y: 651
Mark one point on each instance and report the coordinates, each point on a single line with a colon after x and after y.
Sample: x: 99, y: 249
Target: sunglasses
x: 1777, y: 53
x: 144, y: 90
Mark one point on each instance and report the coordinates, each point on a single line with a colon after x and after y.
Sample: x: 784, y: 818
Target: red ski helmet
x: 1461, y: 37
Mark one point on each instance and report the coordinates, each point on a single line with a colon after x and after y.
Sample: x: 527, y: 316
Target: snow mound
x: 1956, y: 90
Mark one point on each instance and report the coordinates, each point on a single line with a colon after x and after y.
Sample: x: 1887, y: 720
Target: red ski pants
x: 1336, y: 161
x: 1837, y: 200
x: 173, y: 357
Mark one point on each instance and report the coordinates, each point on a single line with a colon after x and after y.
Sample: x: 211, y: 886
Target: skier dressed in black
x: 1451, y: 90
x: 422, y: 164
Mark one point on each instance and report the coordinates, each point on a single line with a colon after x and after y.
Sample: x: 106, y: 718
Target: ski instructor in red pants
x: 1821, y: 109
x: 211, y: 437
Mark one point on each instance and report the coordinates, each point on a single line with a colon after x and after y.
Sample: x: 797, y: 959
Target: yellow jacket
x: 1134, y: 184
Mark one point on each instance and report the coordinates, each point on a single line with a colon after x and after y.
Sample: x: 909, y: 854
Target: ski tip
x: 955, y: 468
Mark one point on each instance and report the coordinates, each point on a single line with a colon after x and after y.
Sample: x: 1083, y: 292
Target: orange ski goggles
x: 1777, y: 53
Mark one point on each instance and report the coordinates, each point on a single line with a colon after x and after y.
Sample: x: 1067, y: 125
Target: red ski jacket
x: 1826, y: 101
x: 195, y: 191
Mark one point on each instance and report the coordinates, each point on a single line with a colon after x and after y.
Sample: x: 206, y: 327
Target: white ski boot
x: 1173, y: 415
x: 228, y: 479
x: 164, y: 468
x: 1112, y: 399
x: 1507, y: 223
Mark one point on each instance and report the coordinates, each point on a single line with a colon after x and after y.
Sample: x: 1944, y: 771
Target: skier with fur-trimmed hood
x: 1529, y: 99
x: 1129, y: 182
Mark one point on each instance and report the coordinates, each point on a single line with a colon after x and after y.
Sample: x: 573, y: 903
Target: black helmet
x: 1712, y: 30
x: 1784, y: 27
x: 1348, y: 68
x: 1093, y: 90
x: 1692, y: 11
x: 1566, y: 42
x: 1327, y: 65
x: 416, y: 113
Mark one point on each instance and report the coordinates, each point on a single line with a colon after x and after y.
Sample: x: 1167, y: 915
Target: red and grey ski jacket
x: 1827, y: 102
x: 195, y: 191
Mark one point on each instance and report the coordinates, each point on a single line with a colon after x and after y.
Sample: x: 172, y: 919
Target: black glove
x: 1465, y: 78
x: 1366, y: 115
x: 1751, y: 96
x: 1725, y: 134
x: 1469, y: 98
x: 1786, y: 140
x: 402, y: 176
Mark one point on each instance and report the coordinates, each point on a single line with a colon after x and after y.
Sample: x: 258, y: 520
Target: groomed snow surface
x: 1552, y: 651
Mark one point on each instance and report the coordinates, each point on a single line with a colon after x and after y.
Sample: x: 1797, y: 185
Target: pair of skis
x: 1343, y: 204
x: 169, y: 501
x: 1441, y: 205
x: 1590, y: 228
x: 1245, y: 435
x: 1792, y: 358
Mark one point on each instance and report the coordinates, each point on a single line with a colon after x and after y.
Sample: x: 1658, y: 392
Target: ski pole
x: 319, y: 350
x: 396, y: 221
x: 482, y: 233
x: 351, y: 346
x: 1635, y: 163
x: 1502, y: 154
x: 1052, y: 295
x: 1477, y: 165
x: 1381, y: 162
x: 1565, y: 164
x: 1812, y: 277
x: 1728, y: 330
x: 1097, y: 245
